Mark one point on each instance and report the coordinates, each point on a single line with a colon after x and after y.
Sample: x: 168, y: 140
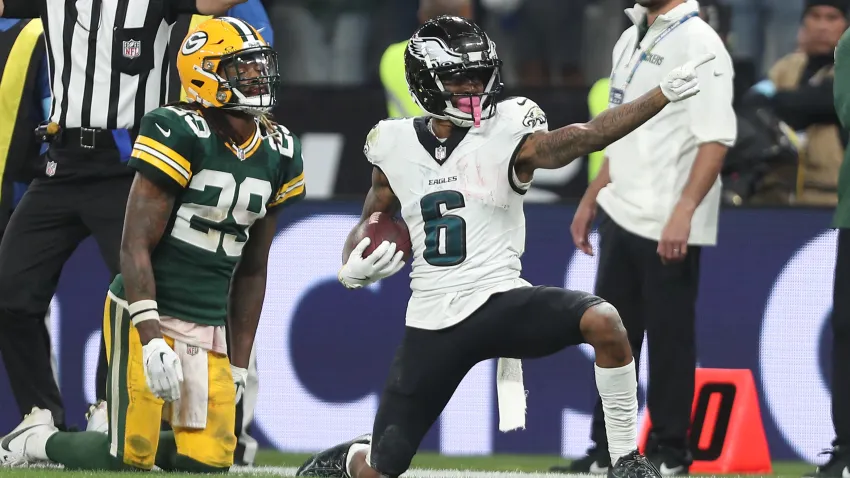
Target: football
x: 380, y: 227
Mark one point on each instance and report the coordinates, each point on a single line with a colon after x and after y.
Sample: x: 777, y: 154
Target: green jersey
x: 841, y: 93
x: 220, y: 189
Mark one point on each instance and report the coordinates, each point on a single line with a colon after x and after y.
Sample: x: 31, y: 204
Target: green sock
x: 83, y: 451
x: 168, y: 459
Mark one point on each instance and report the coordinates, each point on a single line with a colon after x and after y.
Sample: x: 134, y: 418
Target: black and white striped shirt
x: 108, y: 58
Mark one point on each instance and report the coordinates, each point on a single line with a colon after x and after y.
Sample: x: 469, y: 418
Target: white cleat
x: 37, y: 424
x: 97, y: 418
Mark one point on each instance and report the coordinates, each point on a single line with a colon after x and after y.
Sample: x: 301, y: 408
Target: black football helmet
x: 442, y: 48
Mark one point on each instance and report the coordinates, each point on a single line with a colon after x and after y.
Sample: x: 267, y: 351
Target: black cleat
x: 597, y: 462
x: 838, y: 465
x: 633, y: 465
x: 331, y: 462
x: 670, y: 461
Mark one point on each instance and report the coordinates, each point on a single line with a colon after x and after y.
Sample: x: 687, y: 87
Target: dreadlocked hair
x: 217, y: 119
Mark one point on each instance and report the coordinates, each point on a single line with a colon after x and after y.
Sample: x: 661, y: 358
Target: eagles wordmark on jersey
x: 221, y: 190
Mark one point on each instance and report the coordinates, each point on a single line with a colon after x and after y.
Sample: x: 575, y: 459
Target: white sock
x: 618, y: 390
x: 355, y: 448
x: 36, y: 445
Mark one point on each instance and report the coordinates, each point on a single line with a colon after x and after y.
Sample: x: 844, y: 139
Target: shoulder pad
x: 282, y: 129
x: 523, y: 115
x: 167, y: 113
x: 171, y: 121
x: 173, y: 112
x: 381, y: 137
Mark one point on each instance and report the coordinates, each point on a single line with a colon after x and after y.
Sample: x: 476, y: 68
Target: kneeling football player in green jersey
x: 210, y: 175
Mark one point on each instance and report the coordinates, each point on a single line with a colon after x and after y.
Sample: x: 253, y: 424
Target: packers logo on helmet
x: 226, y: 63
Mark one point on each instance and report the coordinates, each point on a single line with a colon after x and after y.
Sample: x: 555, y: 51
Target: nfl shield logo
x: 192, y: 350
x: 440, y: 153
x: 50, y: 169
x: 132, y: 49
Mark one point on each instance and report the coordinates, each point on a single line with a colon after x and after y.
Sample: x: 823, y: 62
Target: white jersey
x: 462, y: 202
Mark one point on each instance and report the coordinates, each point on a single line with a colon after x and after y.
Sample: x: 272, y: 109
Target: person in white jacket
x: 658, y: 195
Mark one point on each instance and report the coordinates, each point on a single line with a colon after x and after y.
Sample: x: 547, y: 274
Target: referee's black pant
x: 841, y: 343
x: 660, y: 300
x: 86, y: 196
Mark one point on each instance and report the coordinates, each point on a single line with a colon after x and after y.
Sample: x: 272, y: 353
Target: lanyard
x: 644, y: 54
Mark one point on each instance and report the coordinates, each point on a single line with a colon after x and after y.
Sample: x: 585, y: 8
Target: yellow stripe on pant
x: 135, y: 412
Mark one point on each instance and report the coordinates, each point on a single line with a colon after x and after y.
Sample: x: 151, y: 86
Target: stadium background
x: 323, y: 351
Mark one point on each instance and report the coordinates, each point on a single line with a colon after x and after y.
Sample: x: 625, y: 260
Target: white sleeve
x: 531, y: 118
x: 712, y: 118
x: 526, y: 118
x: 370, y: 147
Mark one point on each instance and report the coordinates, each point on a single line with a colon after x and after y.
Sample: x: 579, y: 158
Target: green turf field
x: 425, y: 465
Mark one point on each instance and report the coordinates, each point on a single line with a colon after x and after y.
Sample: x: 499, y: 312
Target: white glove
x: 683, y: 82
x: 361, y: 271
x: 240, y: 378
x: 163, y: 371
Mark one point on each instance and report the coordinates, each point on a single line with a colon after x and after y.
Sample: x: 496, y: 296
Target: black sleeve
x: 22, y: 8
x: 805, y: 106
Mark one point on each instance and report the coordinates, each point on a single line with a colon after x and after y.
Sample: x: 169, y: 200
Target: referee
x: 659, y: 190
x: 106, y: 61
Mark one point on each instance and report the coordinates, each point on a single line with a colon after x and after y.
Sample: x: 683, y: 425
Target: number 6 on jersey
x: 445, y: 234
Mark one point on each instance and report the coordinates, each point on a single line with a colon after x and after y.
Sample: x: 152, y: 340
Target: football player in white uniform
x: 458, y: 176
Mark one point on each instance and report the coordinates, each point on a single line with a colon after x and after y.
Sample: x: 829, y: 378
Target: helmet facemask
x: 248, y: 80
x: 428, y: 86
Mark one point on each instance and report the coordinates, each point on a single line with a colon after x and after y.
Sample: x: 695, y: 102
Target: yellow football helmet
x: 226, y: 63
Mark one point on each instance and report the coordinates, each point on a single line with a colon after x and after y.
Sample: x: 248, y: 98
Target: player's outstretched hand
x: 683, y: 82
x: 163, y: 372
x: 361, y: 271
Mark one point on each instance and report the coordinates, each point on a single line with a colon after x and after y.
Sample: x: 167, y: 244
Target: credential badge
x: 616, y: 97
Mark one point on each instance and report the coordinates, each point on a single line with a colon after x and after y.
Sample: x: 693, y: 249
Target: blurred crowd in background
x: 543, y: 42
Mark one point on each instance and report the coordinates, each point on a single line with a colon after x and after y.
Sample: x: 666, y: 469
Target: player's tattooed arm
x: 248, y: 290
x: 148, y: 209
x: 558, y: 148
x: 380, y: 198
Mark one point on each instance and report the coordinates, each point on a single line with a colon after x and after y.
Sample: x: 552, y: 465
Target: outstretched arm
x: 148, y: 209
x: 558, y: 148
x: 380, y: 198
x: 248, y: 290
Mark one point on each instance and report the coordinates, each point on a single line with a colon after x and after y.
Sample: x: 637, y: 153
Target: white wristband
x: 143, y: 310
